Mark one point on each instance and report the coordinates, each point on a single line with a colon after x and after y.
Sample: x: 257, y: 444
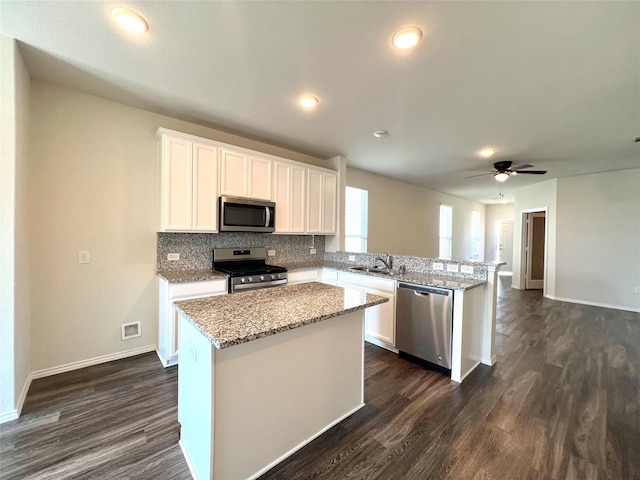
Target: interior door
x: 534, y: 251
x: 505, y: 244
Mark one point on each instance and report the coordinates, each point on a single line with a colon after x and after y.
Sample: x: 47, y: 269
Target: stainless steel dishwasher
x: 424, y: 323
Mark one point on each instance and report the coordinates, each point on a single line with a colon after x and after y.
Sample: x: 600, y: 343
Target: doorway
x: 533, y: 249
x: 505, y: 244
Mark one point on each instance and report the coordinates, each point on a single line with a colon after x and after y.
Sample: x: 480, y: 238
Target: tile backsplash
x: 195, y: 249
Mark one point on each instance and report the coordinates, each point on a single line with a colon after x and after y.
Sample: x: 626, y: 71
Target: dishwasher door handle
x: 421, y: 294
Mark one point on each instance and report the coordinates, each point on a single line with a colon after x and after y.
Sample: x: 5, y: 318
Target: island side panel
x: 195, y: 399
x: 276, y: 394
x: 467, y: 338
x: 489, y: 316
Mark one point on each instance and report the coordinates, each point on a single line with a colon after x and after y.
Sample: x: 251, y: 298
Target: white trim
x: 523, y: 261
x: 465, y: 374
x: 380, y: 343
x: 92, y: 361
x: 8, y: 416
x: 187, y: 459
x: 14, y: 414
x: 302, y: 444
x: 594, y: 304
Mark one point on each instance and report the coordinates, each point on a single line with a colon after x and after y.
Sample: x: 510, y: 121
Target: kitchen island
x: 264, y: 372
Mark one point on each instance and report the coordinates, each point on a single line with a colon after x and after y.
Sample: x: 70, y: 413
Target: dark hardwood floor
x: 562, y: 402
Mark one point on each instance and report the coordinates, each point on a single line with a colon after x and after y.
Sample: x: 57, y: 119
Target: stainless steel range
x: 247, y: 268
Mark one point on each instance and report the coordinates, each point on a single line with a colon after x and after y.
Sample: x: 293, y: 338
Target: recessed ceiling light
x: 407, y: 37
x: 501, y: 177
x: 380, y: 133
x: 130, y: 20
x: 487, y: 152
x: 308, y: 101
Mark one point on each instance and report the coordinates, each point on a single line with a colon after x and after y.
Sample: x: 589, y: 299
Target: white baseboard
x: 380, y: 343
x: 47, y: 372
x: 14, y: 414
x: 187, y: 459
x: 8, y: 416
x: 593, y: 304
x: 303, y: 443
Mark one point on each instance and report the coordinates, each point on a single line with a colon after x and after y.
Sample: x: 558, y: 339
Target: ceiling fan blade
x: 534, y: 172
x: 523, y: 166
x: 481, y: 175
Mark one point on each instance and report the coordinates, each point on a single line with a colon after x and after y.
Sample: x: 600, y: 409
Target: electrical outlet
x: 271, y: 253
x: 172, y: 257
x: 438, y: 266
x: 637, y: 290
x: 452, y: 267
x: 466, y: 268
x: 352, y: 258
x: 312, y: 251
x: 84, y: 257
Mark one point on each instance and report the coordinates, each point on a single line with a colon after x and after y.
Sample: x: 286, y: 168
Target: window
x: 355, y: 219
x: 474, y: 254
x: 446, y: 227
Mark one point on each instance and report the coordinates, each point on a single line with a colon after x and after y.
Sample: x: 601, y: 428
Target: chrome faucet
x: 387, y: 262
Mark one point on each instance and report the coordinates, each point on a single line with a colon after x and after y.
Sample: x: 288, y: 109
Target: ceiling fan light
x: 501, y: 176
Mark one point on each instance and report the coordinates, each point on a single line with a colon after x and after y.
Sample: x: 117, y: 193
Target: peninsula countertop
x: 426, y: 279
x: 228, y: 320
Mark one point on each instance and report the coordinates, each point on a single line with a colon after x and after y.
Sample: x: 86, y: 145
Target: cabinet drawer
x: 366, y: 281
x: 302, y: 276
x: 198, y: 288
x: 330, y: 276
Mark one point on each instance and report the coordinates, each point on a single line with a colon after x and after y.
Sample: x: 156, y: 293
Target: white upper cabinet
x: 289, y: 193
x: 322, y: 201
x: 234, y: 173
x: 194, y: 171
x: 187, y: 177
x: 243, y: 175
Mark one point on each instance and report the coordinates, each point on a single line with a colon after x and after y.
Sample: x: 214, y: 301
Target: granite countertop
x: 183, y: 276
x: 426, y: 279
x: 228, y: 320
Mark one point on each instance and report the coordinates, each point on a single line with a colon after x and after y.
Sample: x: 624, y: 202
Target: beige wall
x: 93, y: 186
x: 14, y: 261
x: 404, y: 218
x: 537, y: 197
x: 598, y: 240
x: 494, y: 214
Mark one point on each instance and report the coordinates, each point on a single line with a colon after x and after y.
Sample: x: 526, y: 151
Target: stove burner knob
x: 273, y: 277
x: 250, y: 279
x: 262, y: 277
x: 242, y: 280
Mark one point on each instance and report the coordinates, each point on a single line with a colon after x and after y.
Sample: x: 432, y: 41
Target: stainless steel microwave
x: 238, y: 214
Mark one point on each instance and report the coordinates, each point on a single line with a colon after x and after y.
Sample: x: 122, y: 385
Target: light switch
x: 438, y: 266
x: 84, y: 257
x: 452, y: 267
x: 352, y: 258
x: 466, y: 268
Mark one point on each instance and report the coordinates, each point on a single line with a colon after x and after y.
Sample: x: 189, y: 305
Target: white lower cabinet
x: 303, y: 276
x: 168, y: 316
x: 380, y: 321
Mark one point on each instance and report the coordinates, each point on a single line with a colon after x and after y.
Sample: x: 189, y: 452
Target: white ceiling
x: 553, y: 84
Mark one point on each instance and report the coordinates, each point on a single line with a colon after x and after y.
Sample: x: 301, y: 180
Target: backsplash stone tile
x: 413, y: 264
x: 195, y: 249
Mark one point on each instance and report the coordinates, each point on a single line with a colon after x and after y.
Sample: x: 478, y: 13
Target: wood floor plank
x: 562, y: 402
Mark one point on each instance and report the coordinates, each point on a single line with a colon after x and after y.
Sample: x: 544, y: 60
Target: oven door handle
x: 268, y: 212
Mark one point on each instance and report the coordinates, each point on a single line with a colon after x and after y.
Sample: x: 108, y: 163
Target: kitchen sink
x: 384, y: 271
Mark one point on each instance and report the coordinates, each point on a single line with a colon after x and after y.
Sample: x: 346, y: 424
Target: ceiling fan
x: 502, y: 170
